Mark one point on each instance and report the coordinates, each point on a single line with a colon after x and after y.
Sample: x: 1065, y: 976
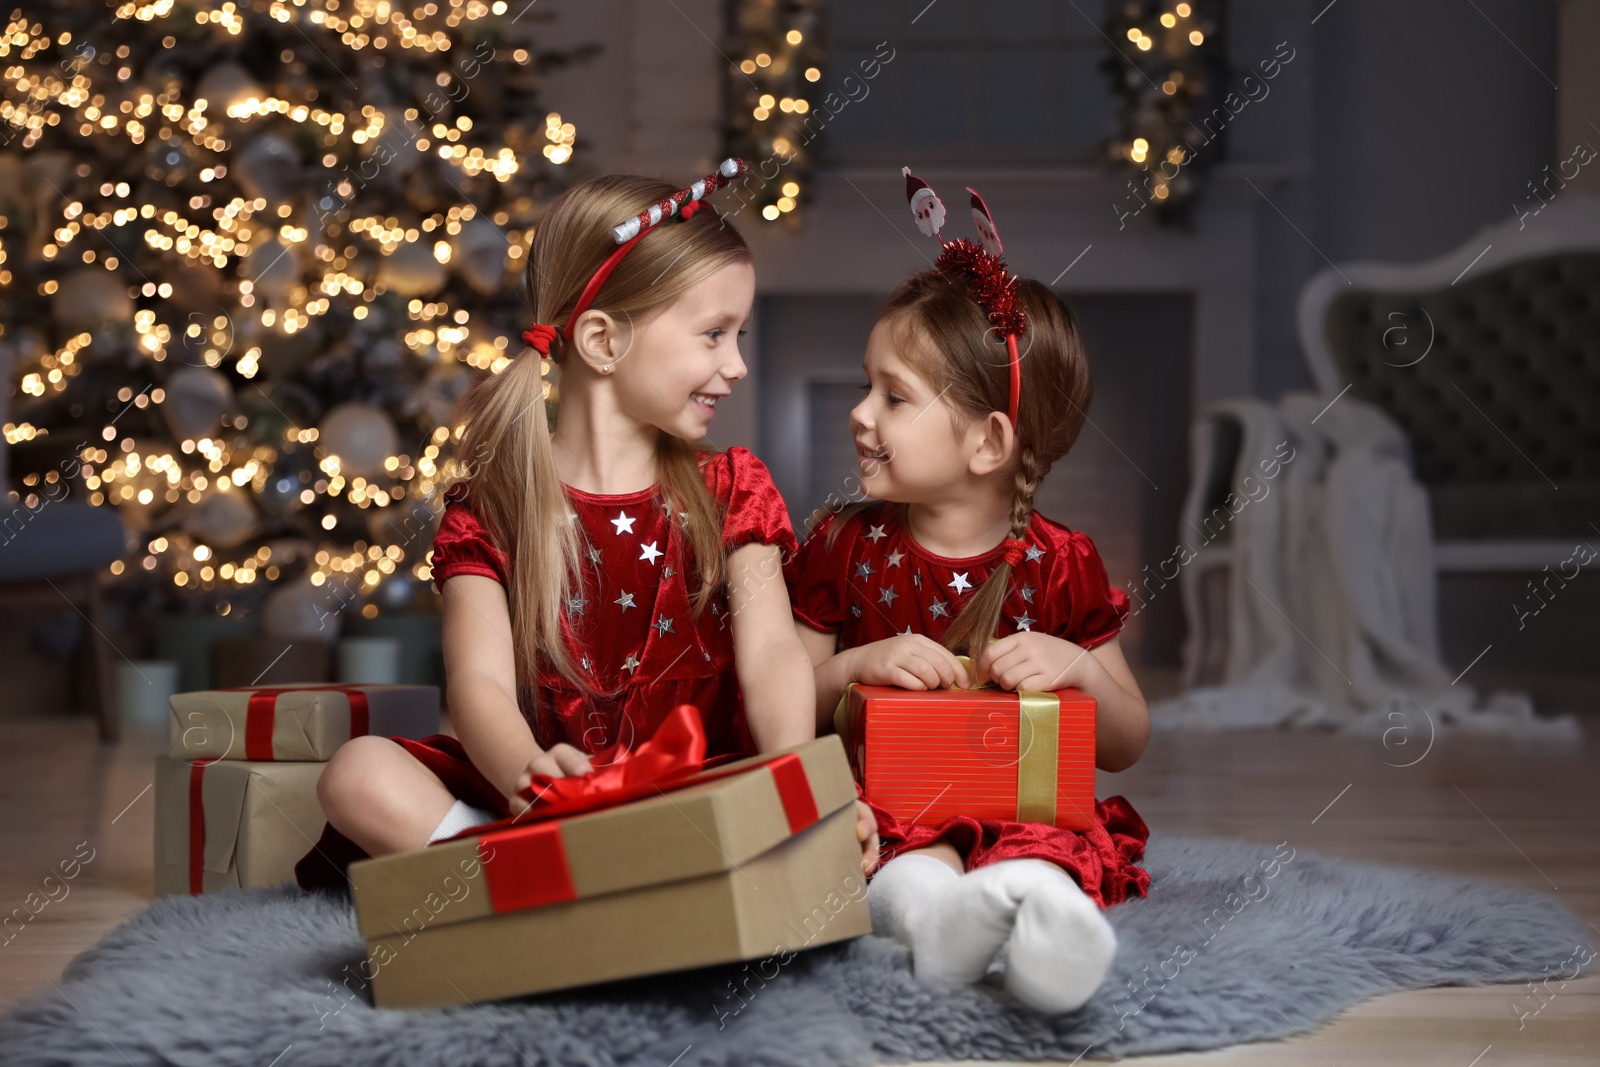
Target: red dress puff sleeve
x: 1096, y: 610
x: 818, y: 576
x: 756, y: 512
x: 463, y: 545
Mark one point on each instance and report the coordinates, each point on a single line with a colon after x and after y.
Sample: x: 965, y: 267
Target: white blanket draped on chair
x: 1331, y: 590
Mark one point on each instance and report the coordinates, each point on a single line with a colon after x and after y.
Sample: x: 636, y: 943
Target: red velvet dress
x: 876, y: 582
x: 631, y: 628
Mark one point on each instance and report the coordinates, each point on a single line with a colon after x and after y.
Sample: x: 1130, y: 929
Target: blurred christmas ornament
x: 361, y: 435
x: 196, y: 400
x: 90, y: 298
x: 167, y: 160
x: 281, y: 492
x: 225, y: 86
x: 199, y: 290
x: 222, y: 519
x: 480, y: 255
x: 283, y: 355
x: 300, y: 611
x: 14, y: 206
x: 269, y: 167
x: 272, y: 268
x: 408, y: 523
x: 395, y: 148
x: 411, y: 270
x: 441, y: 391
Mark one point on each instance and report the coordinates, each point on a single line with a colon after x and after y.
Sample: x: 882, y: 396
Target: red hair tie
x: 539, y: 338
x: 1015, y: 550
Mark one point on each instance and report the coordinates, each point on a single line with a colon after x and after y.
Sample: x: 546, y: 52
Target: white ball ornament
x: 224, y: 519
x: 272, y: 268
x: 226, y: 85
x: 361, y: 435
x: 196, y: 400
x: 90, y: 298
x: 269, y: 167
x: 480, y: 255
x: 412, y: 270
x: 300, y: 611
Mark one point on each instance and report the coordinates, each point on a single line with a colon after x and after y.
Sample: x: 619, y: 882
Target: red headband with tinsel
x: 980, y: 266
x: 682, y: 204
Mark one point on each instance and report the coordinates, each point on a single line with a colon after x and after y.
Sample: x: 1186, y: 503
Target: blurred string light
x: 771, y: 89
x: 1165, y: 71
x: 275, y: 198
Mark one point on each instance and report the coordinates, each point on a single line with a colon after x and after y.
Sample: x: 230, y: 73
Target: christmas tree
x: 250, y: 255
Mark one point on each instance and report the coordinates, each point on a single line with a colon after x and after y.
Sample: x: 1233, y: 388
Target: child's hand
x: 867, y: 834
x: 910, y: 661
x: 558, y: 761
x: 1036, y: 662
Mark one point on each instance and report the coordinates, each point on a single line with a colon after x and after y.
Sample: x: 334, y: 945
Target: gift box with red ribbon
x: 232, y: 824
x: 655, y: 861
x: 295, y: 722
x: 987, y: 753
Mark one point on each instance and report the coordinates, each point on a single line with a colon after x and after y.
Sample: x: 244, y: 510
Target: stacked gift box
x: 655, y: 863
x: 236, y: 795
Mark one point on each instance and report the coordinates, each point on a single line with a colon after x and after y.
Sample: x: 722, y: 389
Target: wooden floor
x: 1514, y: 815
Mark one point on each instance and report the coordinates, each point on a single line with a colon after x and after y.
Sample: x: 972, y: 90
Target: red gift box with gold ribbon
x: 986, y: 753
x: 295, y: 722
x: 655, y: 861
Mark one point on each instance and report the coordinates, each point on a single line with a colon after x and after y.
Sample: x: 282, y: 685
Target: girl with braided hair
x: 959, y: 426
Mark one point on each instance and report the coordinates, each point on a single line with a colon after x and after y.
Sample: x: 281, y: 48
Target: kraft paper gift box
x: 299, y: 722
x: 227, y: 824
x: 924, y: 756
x: 750, y: 859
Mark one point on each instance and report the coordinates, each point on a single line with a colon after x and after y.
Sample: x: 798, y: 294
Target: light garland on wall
x: 770, y: 89
x: 1164, y: 73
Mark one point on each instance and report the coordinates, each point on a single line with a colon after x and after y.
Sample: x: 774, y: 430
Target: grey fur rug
x: 1236, y: 942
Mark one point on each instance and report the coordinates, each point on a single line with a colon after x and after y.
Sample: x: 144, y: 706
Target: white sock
x: 1061, y: 945
x: 461, y: 816
x: 945, y: 918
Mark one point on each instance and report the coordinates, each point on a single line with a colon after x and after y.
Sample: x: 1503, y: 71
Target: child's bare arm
x: 1122, y: 719
x: 481, y: 671
x: 831, y: 671
x: 1043, y: 663
x: 773, y: 667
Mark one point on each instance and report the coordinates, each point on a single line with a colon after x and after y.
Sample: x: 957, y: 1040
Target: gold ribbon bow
x: 1038, y: 740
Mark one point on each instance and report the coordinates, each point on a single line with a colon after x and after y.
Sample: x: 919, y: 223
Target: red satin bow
x: 676, y: 751
x: 539, y: 338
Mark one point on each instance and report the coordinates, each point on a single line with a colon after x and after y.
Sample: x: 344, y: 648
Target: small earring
x: 606, y: 369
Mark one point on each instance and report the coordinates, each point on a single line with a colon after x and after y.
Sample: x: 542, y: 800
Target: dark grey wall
x: 1398, y: 131
x: 1431, y: 117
